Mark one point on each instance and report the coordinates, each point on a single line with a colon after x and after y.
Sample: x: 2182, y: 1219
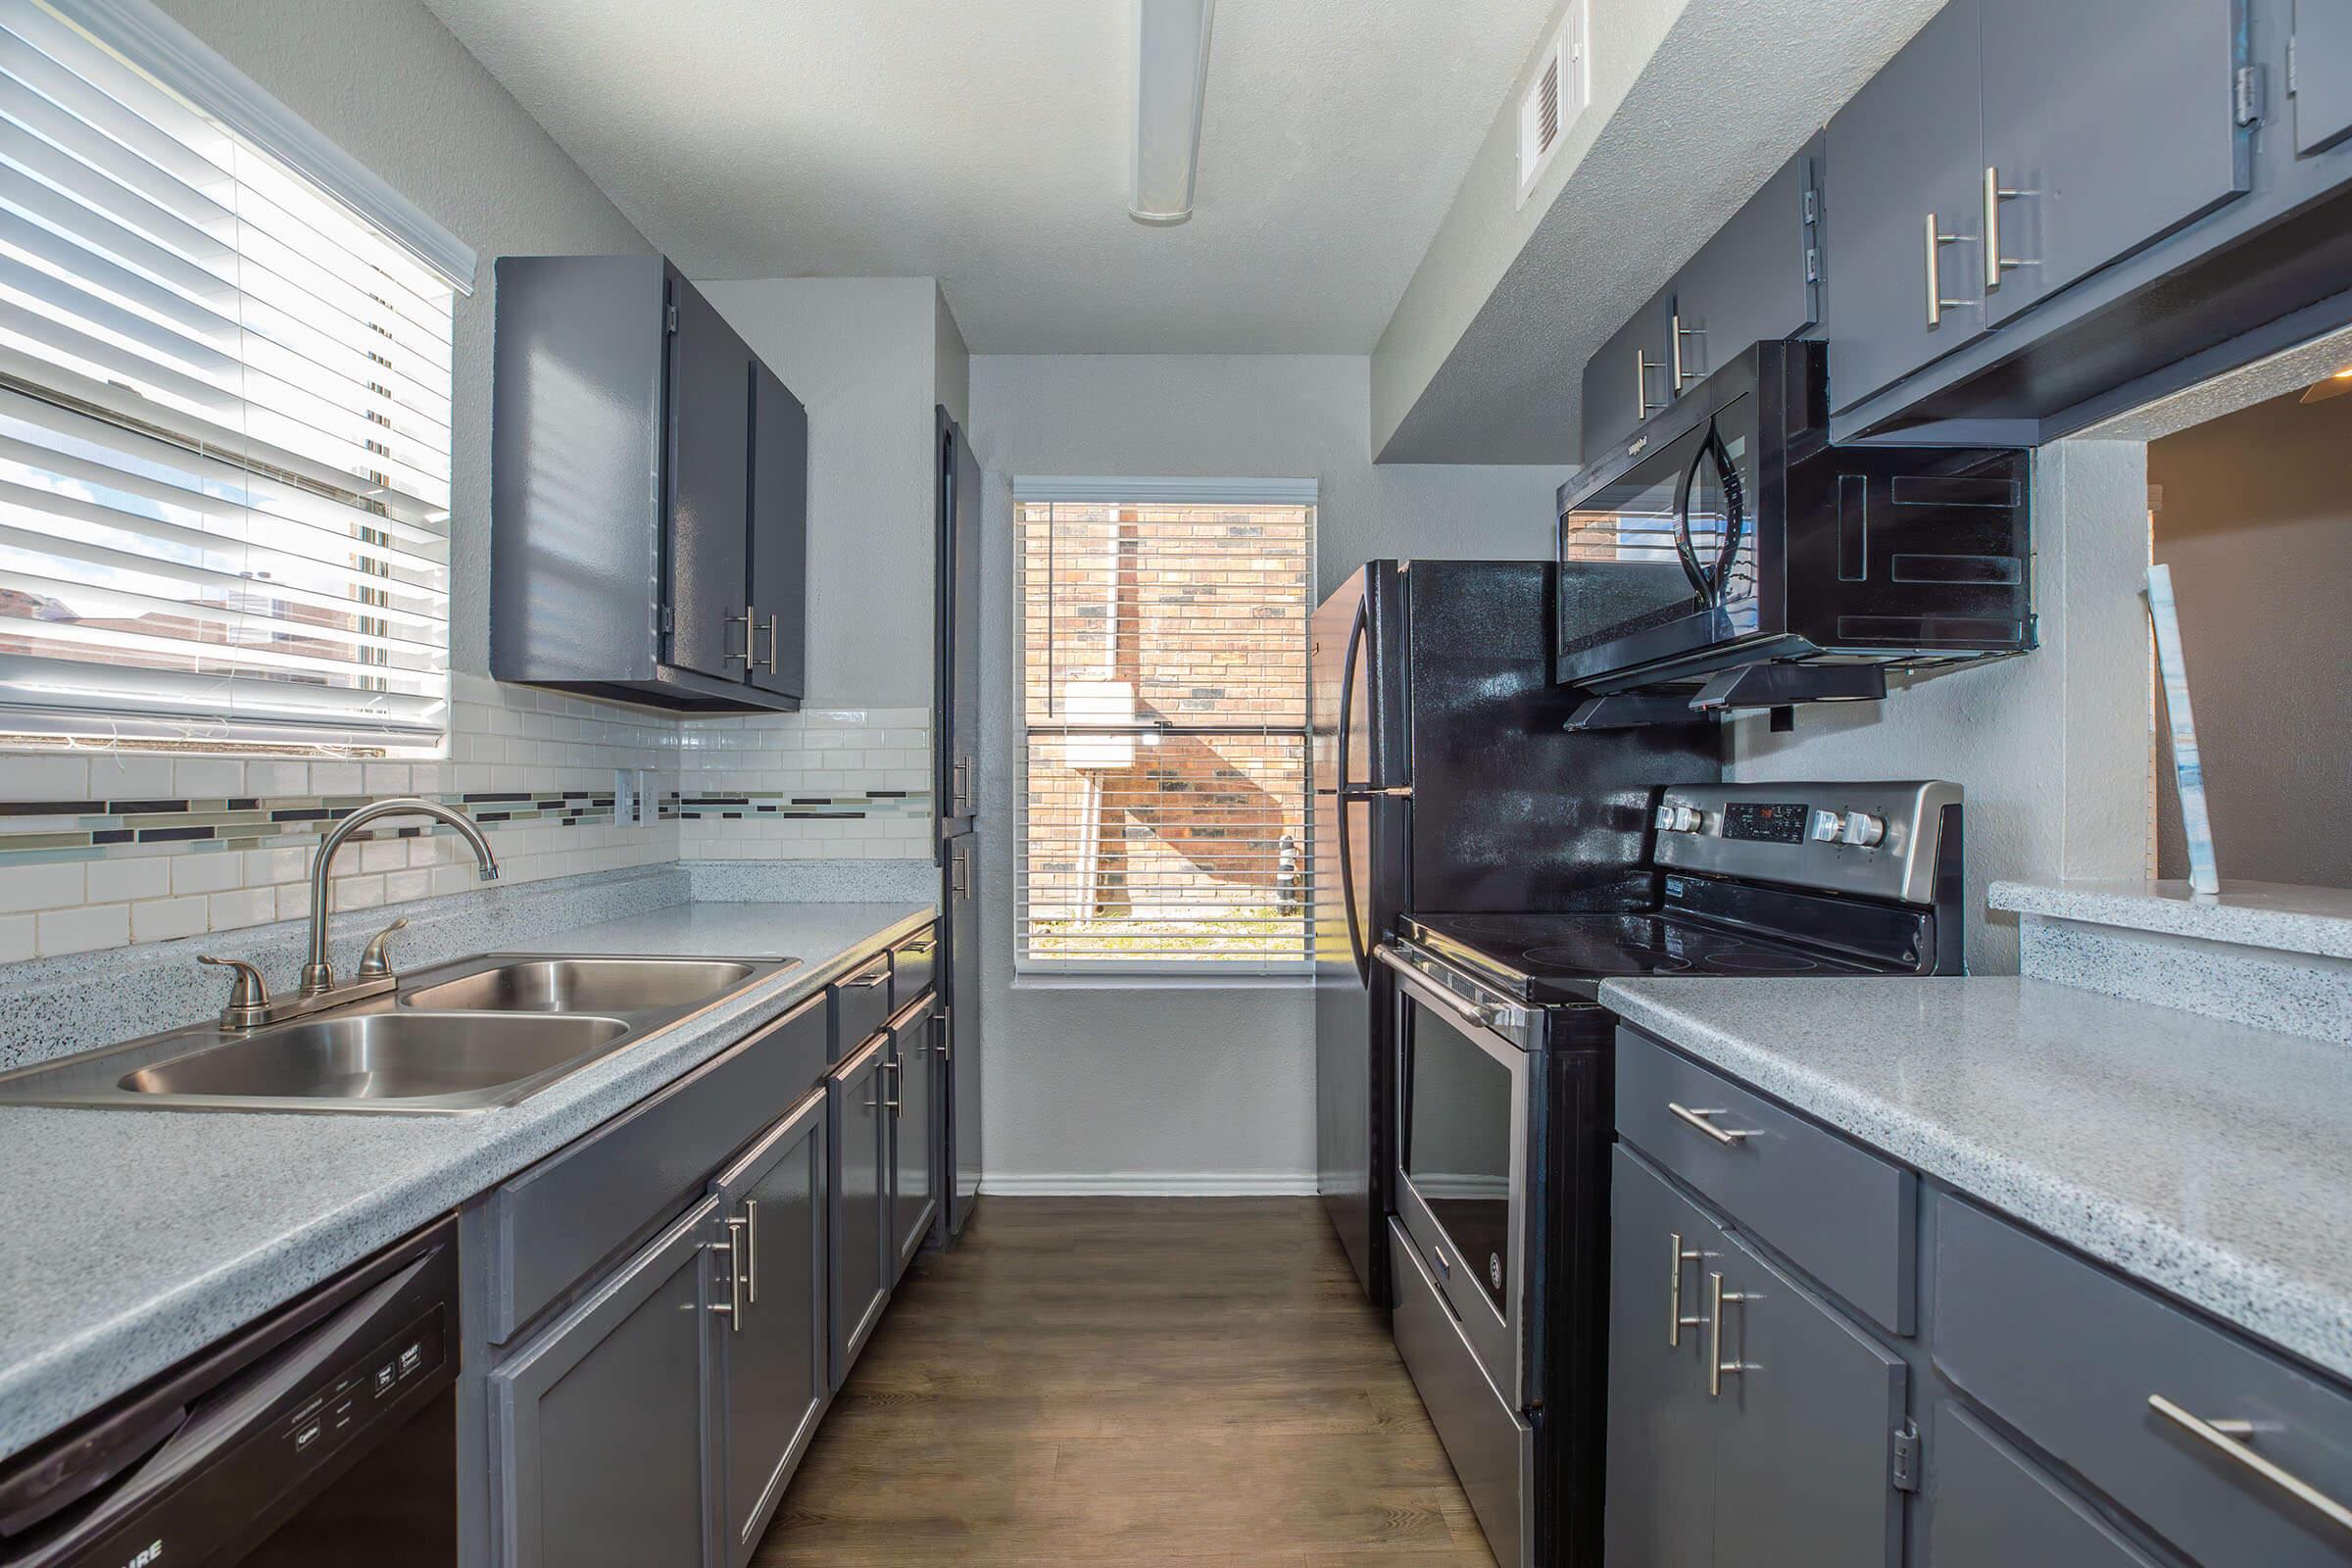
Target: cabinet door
x: 913, y: 1133
x: 1659, y: 1510
x: 1750, y: 283
x: 1989, y: 1506
x: 2322, y: 73
x: 709, y: 485
x: 1810, y: 1403
x: 1629, y: 377
x: 1903, y: 163
x: 2112, y: 122
x: 779, y: 536
x: 601, y: 1428
x: 961, y: 1037
x: 776, y: 1356
x: 860, y: 1129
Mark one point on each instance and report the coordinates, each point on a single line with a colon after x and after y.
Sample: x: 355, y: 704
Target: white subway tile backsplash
x: 16, y: 938
x: 120, y: 881
x: 162, y: 919
x: 83, y: 930
x: 41, y: 887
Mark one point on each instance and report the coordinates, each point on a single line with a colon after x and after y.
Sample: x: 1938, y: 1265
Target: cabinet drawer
x: 2072, y: 1356
x: 861, y: 1005
x: 1845, y: 1216
x: 1989, y: 1506
x: 912, y: 964
x: 553, y: 1223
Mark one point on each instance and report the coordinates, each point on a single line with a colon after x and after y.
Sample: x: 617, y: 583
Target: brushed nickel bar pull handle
x: 2234, y: 1438
x: 1995, y: 263
x: 1683, y: 379
x: 746, y: 655
x: 751, y: 1238
x: 733, y: 1306
x: 1675, y: 1321
x: 1727, y: 1136
x: 772, y: 648
x: 1936, y: 303
x: 1642, y: 407
x: 867, y: 982
x: 1717, y: 1367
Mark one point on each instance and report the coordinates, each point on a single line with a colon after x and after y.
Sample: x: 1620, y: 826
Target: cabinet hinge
x: 673, y: 319
x: 668, y: 622
x: 1903, y: 1457
x: 2290, y: 67
x: 1812, y: 264
x: 2248, y: 99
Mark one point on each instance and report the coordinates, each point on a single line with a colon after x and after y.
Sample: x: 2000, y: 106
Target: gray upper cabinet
x: 2108, y: 123
x: 1757, y: 280
x: 775, y: 1357
x: 859, y: 1128
x: 601, y: 1431
x: 2322, y: 70
x: 707, y: 541
x: 780, y: 537
x: 641, y: 492
x: 913, y: 1131
x: 1905, y: 191
x: 1628, y: 379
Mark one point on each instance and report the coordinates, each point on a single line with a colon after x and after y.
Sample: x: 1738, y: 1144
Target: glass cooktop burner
x: 1566, y: 956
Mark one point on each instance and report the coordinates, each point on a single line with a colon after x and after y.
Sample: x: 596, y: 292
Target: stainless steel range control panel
x: 1879, y: 839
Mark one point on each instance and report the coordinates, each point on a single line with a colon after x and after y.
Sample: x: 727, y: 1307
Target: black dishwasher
x: 325, y: 1432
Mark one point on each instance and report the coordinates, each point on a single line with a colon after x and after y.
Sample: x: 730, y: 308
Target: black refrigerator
x: 1445, y: 779
x: 954, y: 808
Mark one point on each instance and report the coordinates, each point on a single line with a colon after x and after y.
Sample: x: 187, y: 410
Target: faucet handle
x: 375, y: 964
x: 248, y: 996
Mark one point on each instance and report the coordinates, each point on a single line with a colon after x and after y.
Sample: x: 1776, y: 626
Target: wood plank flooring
x: 1127, y: 1381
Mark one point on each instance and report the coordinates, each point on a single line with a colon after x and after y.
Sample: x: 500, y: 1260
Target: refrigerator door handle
x: 1349, y: 794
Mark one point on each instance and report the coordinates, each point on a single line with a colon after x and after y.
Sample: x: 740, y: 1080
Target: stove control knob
x: 1681, y: 819
x: 1826, y: 826
x: 1864, y: 830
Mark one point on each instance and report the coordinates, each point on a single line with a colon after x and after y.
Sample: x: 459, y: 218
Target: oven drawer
x: 2070, y: 1355
x: 1845, y: 1216
x: 1491, y: 1445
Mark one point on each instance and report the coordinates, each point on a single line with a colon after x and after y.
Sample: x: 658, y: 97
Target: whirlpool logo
x: 152, y: 1554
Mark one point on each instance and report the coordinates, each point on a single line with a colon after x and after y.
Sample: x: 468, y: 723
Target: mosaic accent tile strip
x: 40, y: 831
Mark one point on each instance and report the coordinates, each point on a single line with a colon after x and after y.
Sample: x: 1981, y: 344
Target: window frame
x: 1162, y: 969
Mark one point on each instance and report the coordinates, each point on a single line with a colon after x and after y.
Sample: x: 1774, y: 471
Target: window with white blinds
x: 224, y: 411
x: 1167, y: 821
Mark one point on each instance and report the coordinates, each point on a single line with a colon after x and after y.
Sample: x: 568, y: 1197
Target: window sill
x: 1159, y: 980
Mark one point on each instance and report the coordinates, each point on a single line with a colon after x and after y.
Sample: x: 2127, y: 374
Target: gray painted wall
x: 2051, y: 747
x: 1090, y: 1087
x: 2256, y: 522
x: 864, y: 354
x: 388, y: 83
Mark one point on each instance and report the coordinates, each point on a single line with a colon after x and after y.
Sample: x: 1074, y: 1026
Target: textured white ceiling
x: 985, y: 142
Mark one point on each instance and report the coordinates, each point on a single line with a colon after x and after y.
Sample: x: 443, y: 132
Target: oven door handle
x: 1474, y: 1015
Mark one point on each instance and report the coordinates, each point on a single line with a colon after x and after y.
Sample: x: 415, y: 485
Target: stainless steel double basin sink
x: 468, y: 1036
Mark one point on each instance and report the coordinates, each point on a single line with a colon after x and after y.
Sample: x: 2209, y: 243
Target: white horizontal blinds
x: 1167, y: 819
x: 225, y: 427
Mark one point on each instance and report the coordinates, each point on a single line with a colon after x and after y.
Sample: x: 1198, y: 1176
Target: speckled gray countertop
x: 2260, y: 914
x: 129, y: 1238
x: 2206, y: 1158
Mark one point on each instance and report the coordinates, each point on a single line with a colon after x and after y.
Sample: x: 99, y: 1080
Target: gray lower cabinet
x: 858, y: 1120
x: 1750, y: 1422
x: 775, y: 1356
x: 1811, y: 1406
x: 601, y: 1436
x: 1660, y: 1509
x: 1989, y: 1506
x: 915, y: 1103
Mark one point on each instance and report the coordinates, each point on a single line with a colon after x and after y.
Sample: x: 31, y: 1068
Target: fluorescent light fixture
x: 1171, y: 75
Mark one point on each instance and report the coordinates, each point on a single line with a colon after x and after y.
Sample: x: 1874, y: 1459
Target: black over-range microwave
x: 1765, y: 566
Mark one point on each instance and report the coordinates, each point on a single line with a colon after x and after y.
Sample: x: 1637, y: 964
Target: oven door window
x: 1459, y: 1113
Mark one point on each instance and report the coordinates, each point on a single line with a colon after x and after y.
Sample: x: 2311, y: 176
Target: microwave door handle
x: 1734, y: 514
x: 1682, y: 546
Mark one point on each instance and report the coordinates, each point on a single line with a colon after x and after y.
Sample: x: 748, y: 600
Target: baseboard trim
x: 1150, y: 1184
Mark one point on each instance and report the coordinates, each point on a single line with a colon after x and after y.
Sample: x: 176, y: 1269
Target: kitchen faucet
x: 249, y: 999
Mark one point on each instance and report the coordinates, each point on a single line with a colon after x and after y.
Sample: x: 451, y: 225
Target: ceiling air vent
x: 1555, y: 99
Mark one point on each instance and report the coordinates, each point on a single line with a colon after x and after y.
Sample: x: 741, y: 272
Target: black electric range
x: 1503, y: 1111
